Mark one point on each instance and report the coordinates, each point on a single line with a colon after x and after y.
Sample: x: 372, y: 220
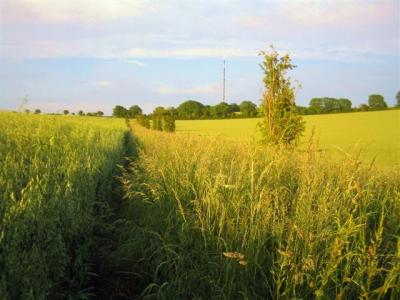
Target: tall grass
x: 206, y: 218
x: 55, y: 171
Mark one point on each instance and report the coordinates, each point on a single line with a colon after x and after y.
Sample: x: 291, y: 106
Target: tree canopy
x: 190, y: 109
x: 377, y: 102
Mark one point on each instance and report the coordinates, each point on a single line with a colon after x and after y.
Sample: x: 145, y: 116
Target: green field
x: 189, y: 217
x: 54, y: 173
x: 375, y: 135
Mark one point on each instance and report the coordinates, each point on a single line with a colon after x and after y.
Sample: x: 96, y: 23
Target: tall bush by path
x: 54, y: 172
x: 282, y: 123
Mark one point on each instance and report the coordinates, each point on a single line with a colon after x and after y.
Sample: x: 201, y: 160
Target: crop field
x: 188, y: 217
x: 371, y: 135
x: 54, y: 171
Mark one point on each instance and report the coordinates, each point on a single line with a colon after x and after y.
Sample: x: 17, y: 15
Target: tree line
x: 195, y: 110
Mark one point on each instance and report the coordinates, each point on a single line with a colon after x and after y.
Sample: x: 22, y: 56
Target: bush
x: 143, y: 121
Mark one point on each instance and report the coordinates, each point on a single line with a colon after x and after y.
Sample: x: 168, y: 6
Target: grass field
x: 55, y: 171
x: 190, y: 217
x: 373, y: 134
x: 206, y: 219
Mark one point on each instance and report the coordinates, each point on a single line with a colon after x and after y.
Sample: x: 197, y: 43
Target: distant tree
x: 398, y: 99
x: 65, y: 111
x: 81, y: 113
x: 134, y: 111
x: 302, y: 110
x: 73, y: 114
x: 99, y: 113
x: 248, y: 109
x: 172, y: 110
x: 168, y: 122
x: 344, y: 105
x: 38, y: 111
x: 282, y: 123
x: 315, y: 106
x: 363, y: 107
x: 158, y: 115
x: 143, y: 120
x: 27, y: 111
x: 377, y: 102
x: 120, y: 112
x: 190, y: 109
x: 221, y: 110
x: 233, y: 108
x: 206, y: 112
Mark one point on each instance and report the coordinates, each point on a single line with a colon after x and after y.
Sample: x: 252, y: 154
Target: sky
x: 94, y: 54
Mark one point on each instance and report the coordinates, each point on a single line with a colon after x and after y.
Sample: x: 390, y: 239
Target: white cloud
x: 58, y: 11
x: 194, y: 52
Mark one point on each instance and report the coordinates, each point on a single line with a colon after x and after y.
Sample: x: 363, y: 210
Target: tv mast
x: 223, y: 85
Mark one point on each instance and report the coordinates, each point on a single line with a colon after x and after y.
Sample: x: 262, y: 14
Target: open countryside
x: 370, y: 136
x: 207, y: 150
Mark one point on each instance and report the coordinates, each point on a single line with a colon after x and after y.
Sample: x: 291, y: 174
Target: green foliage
x: 134, y: 111
x: 328, y: 105
x: 66, y: 112
x: 282, y: 123
x: 220, y: 111
x: 398, y: 99
x: 168, y: 122
x: 234, y: 108
x: 54, y: 172
x: 363, y: 107
x: 248, y: 109
x: 377, y: 102
x: 240, y: 221
x: 120, y: 112
x: 81, y: 113
x: 38, y: 111
x: 143, y: 121
x: 163, y: 119
x: 190, y: 110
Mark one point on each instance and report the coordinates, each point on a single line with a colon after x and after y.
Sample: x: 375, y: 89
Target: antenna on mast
x: 223, y: 85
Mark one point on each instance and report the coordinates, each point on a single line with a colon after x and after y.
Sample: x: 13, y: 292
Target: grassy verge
x: 208, y: 219
x: 56, y: 175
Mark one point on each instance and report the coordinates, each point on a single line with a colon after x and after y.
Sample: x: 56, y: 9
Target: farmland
x: 56, y: 174
x: 373, y: 135
x: 190, y: 217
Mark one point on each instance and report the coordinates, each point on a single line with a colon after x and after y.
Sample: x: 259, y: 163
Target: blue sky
x: 94, y: 54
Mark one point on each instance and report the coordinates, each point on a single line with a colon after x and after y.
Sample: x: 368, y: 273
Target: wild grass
x: 207, y: 219
x: 55, y: 173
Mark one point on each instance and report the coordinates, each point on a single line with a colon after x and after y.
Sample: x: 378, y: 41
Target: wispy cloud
x: 101, y: 83
x: 192, y: 52
x: 62, y: 11
x: 188, y: 91
x: 133, y: 62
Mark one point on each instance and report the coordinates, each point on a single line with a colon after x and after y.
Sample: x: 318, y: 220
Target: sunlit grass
x: 207, y: 219
x: 54, y: 171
